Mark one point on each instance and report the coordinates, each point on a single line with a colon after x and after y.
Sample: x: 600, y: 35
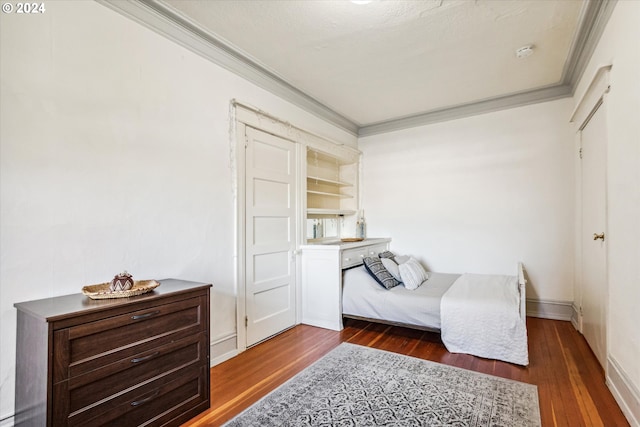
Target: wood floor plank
x: 571, y: 387
x: 555, y: 374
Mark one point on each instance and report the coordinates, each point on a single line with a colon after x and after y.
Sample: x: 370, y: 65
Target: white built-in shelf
x: 332, y: 182
x: 314, y: 157
x: 328, y: 181
x: 316, y: 211
x: 324, y: 193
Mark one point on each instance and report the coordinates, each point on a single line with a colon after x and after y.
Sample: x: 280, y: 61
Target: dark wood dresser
x: 114, y: 362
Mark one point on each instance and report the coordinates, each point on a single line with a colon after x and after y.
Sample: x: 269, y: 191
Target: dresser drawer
x: 106, y: 336
x: 101, y: 383
x: 123, y: 354
x: 156, y: 403
x: 353, y: 257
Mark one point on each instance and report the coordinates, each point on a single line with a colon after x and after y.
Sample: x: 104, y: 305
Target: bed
x: 479, y: 314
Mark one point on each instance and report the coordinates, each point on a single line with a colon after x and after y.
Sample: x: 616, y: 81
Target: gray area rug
x: 361, y: 386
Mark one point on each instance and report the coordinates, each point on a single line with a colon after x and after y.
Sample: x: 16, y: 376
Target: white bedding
x: 480, y: 315
x: 362, y: 296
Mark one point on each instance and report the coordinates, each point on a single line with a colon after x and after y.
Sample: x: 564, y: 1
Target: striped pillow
x: 386, y: 254
x: 374, y: 266
x: 412, y: 273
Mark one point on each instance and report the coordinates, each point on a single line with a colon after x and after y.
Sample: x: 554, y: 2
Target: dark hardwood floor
x: 571, y: 385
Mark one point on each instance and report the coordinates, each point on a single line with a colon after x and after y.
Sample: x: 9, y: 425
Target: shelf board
x: 329, y: 181
x: 317, y: 211
x: 313, y: 155
x: 323, y: 193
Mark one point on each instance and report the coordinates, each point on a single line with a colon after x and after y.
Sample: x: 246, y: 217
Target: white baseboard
x: 222, y: 358
x: 547, y: 309
x: 223, y: 348
x: 575, y: 318
x: 624, y: 392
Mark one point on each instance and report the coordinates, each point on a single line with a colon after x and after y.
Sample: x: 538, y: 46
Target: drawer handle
x: 347, y: 259
x: 145, y: 400
x: 145, y: 316
x: 142, y: 359
x: 361, y: 255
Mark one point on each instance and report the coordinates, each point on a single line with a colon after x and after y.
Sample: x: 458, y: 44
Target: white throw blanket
x: 480, y: 315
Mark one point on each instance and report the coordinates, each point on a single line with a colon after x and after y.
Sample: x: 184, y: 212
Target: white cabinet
x: 322, y: 266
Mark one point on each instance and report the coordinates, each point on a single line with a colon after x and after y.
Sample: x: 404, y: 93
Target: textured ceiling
x: 389, y: 64
x: 391, y: 59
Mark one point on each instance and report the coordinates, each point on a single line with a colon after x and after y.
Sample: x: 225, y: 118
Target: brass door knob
x: 597, y: 236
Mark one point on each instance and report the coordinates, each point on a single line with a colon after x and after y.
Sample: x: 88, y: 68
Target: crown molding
x: 593, y: 22
x: 470, y: 109
x: 594, y: 18
x: 165, y: 20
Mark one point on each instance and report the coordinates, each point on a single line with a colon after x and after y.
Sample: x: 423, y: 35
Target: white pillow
x: 412, y: 273
x: 401, y: 259
x: 391, y: 267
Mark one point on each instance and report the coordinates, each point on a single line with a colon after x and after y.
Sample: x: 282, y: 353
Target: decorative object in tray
x: 121, y: 286
x: 121, y: 282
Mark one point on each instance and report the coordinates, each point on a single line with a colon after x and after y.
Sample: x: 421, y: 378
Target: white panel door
x: 594, y: 255
x: 270, y: 225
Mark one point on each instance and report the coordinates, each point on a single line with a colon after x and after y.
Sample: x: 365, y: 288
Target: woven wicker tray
x: 352, y: 239
x: 101, y: 291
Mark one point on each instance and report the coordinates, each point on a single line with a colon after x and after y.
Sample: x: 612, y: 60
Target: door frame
x: 586, y: 244
x: 243, y: 117
x: 593, y: 99
x: 240, y: 116
x: 278, y: 321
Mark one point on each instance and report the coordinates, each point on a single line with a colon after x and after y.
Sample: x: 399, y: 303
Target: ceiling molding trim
x: 594, y: 20
x: 466, y: 110
x: 164, y: 20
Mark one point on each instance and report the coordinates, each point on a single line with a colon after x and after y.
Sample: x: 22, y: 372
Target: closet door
x: 270, y: 237
x: 593, y: 235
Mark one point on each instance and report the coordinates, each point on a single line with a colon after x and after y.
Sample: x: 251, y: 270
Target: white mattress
x: 362, y: 296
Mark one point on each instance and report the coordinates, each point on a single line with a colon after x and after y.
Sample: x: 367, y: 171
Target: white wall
x: 619, y: 46
x: 114, y: 155
x: 479, y: 194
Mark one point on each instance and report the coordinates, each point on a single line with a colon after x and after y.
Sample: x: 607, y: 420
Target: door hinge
x: 580, y: 153
x: 246, y: 321
x: 246, y: 141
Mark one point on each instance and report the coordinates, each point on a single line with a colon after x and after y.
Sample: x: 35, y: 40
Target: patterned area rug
x: 361, y: 386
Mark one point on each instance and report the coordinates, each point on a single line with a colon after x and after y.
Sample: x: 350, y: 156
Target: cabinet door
x: 322, y: 289
x: 270, y: 223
